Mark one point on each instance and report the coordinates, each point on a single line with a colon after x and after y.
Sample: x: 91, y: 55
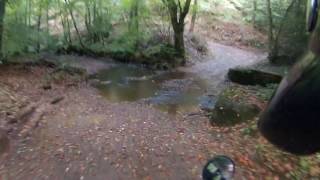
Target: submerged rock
x: 207, y: 103
x: 253, y: 77
x: 236, y: 104
x: 105, y: 82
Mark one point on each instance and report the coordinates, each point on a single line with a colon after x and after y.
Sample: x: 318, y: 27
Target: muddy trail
x: 83, y: 135
x: 215, y: 67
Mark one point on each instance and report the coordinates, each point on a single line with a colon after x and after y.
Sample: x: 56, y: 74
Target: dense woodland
x: 138, y: 30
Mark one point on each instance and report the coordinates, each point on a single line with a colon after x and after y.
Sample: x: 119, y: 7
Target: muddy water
x: 86, y: 137
x: 184, y: 89
x: 170, y: 91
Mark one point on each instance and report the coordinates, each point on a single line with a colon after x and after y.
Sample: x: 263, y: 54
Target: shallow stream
x: 182, y: 90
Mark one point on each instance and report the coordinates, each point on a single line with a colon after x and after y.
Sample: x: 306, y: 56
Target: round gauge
x: 219, y: 168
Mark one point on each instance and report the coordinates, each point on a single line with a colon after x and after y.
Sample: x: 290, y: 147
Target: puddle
x: 183, y: 90
x: 169, y: 91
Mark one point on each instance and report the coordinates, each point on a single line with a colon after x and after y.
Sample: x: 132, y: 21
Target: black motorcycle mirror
x: 219, y: 168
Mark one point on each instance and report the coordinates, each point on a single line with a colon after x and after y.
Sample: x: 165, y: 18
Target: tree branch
x: 185, y: 11
x: 180, y: 7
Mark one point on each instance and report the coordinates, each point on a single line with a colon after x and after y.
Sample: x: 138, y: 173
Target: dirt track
x: 86, y: 137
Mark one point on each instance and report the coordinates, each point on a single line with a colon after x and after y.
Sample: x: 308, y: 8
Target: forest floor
x: 72, y: 132
x: 80, y: 135
x: 240, y: 35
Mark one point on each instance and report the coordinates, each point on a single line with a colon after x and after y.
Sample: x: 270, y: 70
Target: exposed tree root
x: 35, y: 114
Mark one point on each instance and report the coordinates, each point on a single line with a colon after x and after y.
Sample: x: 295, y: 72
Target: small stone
x: 60, y: 150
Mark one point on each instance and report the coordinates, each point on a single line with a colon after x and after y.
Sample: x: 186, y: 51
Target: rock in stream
x: 247, y: 76
x: 234, y: 105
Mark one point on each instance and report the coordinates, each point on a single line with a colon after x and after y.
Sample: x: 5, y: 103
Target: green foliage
x: 251, y: 130
x: 130, y: 28
x: 288, y: 28
x: 162, y: 51
x: 100, y: 29
x: 288, y: 21
x: 22, y: 33
x: 266, y: 93
x: 125, y: 28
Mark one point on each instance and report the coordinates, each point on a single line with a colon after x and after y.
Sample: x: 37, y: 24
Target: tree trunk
x: 177, y: 16
x: 26, y: 13
x: 254, y: 15
x: 274, y: 51
x: 134, y: 21
x: 270, y: 33
x: 29, y: 12
x: 65, y: 24
x: 88, y: 20
x: 2, y: 15
x: 74, y: 23
x: 194, y: 15
x: 39, y: 26
x: 47, y: 17
x: 134, y: 15
x: 65, y: 34
x: 95, y: 11
x: 179, y: 40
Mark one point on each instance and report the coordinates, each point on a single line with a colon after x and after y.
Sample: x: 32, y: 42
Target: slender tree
x: 74, y: 23
x: 254, y: 12
x: 48, y: 3
x: 270, y: 26
x: 178, y: 13
x: 88, y: 19
x: 39, y: 25
x: 29, y: 12
x: 194, y: 15
x: 274, y: 35
x: 134, y: 21
x: 2, y: 15
x: 275, y: 45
